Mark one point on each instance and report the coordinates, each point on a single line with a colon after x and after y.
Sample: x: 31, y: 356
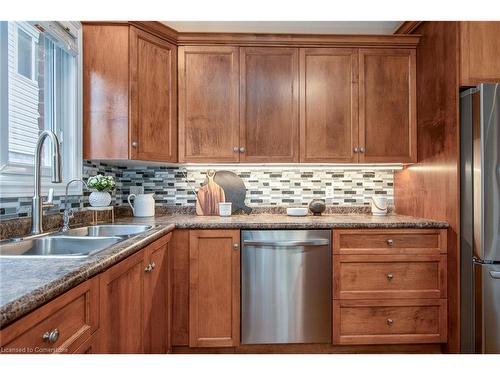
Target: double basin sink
x: 73, y: 243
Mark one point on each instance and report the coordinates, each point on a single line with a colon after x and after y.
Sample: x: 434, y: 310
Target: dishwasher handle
x: 313, y: 242
x: 495, y: 274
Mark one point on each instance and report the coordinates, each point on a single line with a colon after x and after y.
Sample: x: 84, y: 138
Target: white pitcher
x: 144, y: 205
x: 379, y: 206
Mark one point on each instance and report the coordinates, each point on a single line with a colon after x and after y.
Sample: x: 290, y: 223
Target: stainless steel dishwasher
x: 286, y: 278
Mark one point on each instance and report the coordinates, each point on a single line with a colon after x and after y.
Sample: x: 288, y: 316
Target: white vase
x: 99, y: 199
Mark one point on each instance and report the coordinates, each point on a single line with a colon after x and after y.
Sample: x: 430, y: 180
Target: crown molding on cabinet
x: 299, y: 40
x: 153, y: 27
x: 399, y: 40
x: 407, y: 27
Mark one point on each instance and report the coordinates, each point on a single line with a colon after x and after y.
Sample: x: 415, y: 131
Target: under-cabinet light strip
x: 301, y: 167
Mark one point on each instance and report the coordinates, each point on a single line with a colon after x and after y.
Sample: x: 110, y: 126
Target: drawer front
x: 61, y: 326
x: 382, y: 276
x: 389, y: 322
x: 403, y: 241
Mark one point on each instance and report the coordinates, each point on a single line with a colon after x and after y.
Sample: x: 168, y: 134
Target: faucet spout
x: 37, y: 204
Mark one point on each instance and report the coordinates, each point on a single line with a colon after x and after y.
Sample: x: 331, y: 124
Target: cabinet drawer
x: 70, y: 320
x: 389, y: 321
x: 389, y: 276
x: 394, y: 241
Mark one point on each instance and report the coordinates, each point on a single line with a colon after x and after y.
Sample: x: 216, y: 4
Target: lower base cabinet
x: 126, y: 309
x: 396, y: 321
x: 214, y: 288
x: 135, y: 300
x: 390, y: 286
x: 61, y: 326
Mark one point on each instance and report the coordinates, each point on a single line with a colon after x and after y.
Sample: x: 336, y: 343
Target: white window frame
x: 33, y: 55
x: 16, y: 180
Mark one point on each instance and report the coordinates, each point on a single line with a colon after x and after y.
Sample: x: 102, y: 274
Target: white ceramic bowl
x: 297, y: 211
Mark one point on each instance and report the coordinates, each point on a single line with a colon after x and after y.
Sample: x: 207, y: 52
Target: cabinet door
x: 153, y: 98
x: 269, y: 104
x: 105, y: 92
x: 387, y: 106
x: 157, y: 297
x: 122, y: 304
x: 214, y: 288
x: 479, y: 48
x: 208, y: 104
x: 329, y: 105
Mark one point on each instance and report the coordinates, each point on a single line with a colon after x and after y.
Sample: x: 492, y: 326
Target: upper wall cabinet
x: 479, y: 52
x: 328, y: 105
x: 269, y: 104
x: 387, y: 106
x: 208, y: 104
x: 130, y: 98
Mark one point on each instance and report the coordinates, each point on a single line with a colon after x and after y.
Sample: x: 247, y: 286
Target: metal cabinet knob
x: 242, y: 149
x: 389, y: 322
x: 236, y: 149
x: 361, y: 149
x: 51, y: 336
x: 236, y: 246
x: 356, y: 150
x: 390, y: 242
x: 390, y: 276
x: 150, y: 267
x: 134, y: 144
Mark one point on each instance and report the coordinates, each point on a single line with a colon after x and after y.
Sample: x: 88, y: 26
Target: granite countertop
x: 26, y: 284
x: 277, y: 221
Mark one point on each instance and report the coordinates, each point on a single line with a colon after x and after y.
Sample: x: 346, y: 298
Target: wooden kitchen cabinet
x: 135, y: 306
x: 479, y: 49
x: 328, y: 105
x: 387, y: 106
x: 214, y: 288
x: 389, y: 286
x: 126, y: 309
x: 61, y: 326
x: 158, y: 297
x: 397, y: 321
x: 269, y: 104
x: 122, y: 307
x: 208, y: 104
x: 129, y: 94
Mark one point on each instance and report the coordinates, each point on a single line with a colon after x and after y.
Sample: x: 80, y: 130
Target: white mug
x: 379, y: 205
x: 225, y: 208
x: 144, y: 205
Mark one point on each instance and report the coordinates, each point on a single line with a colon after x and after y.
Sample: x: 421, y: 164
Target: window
x: 25, y: 49
x: 40, y: 83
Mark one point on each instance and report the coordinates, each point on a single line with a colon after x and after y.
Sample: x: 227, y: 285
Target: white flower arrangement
x: 101, y: 183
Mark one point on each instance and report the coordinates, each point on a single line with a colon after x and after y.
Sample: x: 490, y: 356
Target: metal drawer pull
x: 150, y: 267
x: 390, y: 242
x: 318, y: 242
x: 390, y: 322
x: 51, y: 337
x: 495, y: 274
x: 389, y: 276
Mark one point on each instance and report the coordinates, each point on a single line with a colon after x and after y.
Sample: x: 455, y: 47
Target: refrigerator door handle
x: 495, y: 274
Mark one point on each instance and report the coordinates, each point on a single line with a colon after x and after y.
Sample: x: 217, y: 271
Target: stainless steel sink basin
x: 56, y: 246
x: 121, y: 230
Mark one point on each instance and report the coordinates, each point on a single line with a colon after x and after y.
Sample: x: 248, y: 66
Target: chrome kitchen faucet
x: 37, y: 205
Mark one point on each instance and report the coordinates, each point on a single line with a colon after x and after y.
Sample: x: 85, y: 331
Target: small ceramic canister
x: 225, y: 208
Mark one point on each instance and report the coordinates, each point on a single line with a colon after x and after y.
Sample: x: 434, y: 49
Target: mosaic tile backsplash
x: 265, y: 187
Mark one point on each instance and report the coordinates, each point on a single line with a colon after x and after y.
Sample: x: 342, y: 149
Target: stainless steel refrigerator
x: 480, y: 219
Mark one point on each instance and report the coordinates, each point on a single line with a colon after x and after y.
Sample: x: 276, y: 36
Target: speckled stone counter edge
x: 100, y: 262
